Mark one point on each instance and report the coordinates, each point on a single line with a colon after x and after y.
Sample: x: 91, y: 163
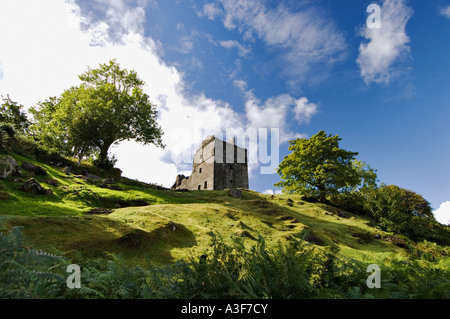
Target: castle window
x: 200, y: 170
x: 231, y: 166
x: 231, y: 181
x: 199, y: 187
x: 206, y: 185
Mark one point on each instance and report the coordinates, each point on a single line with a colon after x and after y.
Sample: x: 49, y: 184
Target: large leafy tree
x: 109, y: 106
x: 319, y: 167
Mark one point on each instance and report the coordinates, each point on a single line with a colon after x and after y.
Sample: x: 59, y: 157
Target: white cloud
x: 118, y: 17
x: 385, y: 45
x: 240, y: 84
x: 230, y: 44
x: 45, y: 49
x: 305, y: 38
x: 210, y: 10
x: 304, y: 110
x: 50, y: 42
x: 445, y: 12
x: 148, y: 166
x: 271, y: 192
x: 186, y: 45
x: 273, y: 113
x: 442, y: 214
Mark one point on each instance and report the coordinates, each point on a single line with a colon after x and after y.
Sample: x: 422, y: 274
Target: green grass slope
x: 150, y: 224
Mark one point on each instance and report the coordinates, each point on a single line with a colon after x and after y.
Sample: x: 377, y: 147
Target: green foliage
x: 226, y: 271
x: 397, y: 210
x: 25, y: 145
x: 12, y: 113
x: 4, y: 138
x: 394, y: 208
x: 50, y: 126
x: 28, y: 273
x: 8, y: 129
x: 108, y: 107
x: 398, y: 205
x: 318, y: 167
x: 14, y: 141
x: 116, y: 281
x: 295, y: 271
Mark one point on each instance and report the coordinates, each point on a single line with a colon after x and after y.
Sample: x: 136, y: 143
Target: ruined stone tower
x: 216, y: 165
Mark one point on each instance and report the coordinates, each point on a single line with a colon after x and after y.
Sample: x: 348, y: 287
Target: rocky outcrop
x: 395, y: 240
x: 8, y: 167
x: 32, y: 186
x: 180, y: 178
x: 92, y: 176
x: 33, y: 168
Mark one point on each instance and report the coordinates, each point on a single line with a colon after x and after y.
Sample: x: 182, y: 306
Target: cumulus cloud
x: 273, y: 113
x: 304, y: 110
x: 60, y: 39
x: 305, y: 38
x: 445, y: 12
x: 50, y: 42
x: 385, y: 45
x: 117, y: 17
x: 442, y: 214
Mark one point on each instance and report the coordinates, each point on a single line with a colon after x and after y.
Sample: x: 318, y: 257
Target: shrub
x: 24, y: 145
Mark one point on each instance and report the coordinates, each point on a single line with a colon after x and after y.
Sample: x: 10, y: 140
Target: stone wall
x: 232, y: 171
x: 216, y: 165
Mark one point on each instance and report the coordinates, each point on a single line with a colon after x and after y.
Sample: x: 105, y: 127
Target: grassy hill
x: 145, y: 223
x: 264, y: 246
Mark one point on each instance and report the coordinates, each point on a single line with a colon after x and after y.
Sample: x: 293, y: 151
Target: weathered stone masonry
x: 216, y: 165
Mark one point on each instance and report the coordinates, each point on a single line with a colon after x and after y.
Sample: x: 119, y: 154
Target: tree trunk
x: 322, y: 193
x: 80, y: 157
x: 103, y: 156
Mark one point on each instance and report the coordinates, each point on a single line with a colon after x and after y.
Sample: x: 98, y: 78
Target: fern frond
x: 354, y: 293
x: 89, y: 292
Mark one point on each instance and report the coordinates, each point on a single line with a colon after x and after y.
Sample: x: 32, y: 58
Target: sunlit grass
x: 168, y: 225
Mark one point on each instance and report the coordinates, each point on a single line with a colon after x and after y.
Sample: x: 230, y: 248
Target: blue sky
x: 300, y: 66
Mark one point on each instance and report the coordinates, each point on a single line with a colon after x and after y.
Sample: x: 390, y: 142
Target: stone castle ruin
x: 217, y: 165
